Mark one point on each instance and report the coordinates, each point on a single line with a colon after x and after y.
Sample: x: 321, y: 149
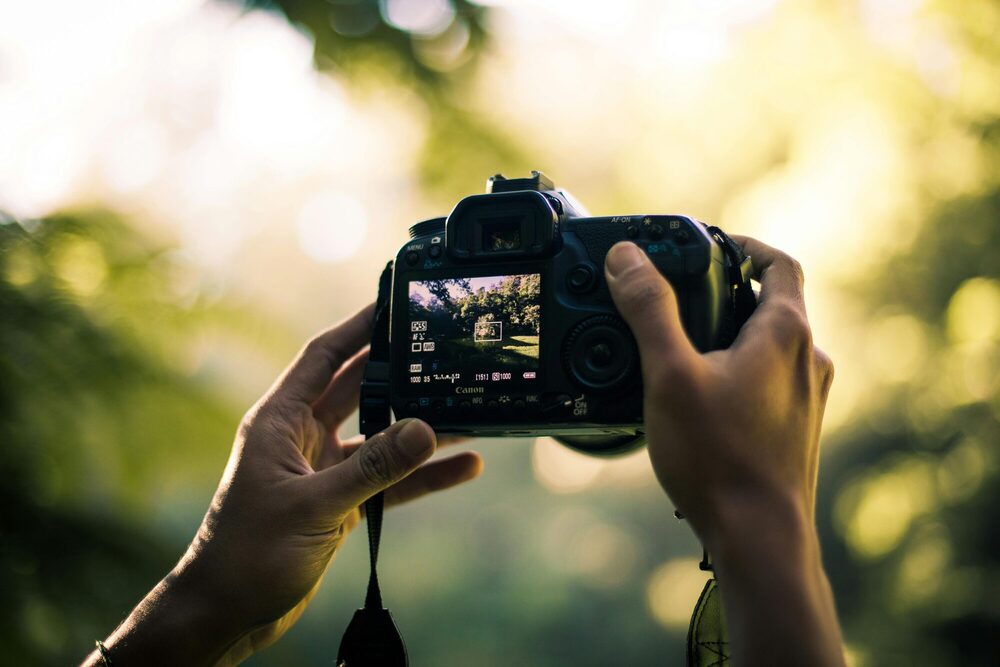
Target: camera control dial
x: 427, y: 227
x: 600, y: 353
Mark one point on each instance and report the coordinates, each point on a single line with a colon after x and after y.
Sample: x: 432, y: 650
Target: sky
x: 418, y: 288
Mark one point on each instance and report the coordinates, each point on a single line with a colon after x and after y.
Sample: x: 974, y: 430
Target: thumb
x: 647, y: 303
x: 378, y: 463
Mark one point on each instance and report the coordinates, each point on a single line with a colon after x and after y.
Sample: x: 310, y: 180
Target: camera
x: 500, y: 322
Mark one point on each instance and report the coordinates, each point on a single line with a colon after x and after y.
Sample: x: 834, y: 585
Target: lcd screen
x: 482, y: 330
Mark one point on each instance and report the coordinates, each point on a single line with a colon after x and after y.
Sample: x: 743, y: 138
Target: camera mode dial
x: 427, y: 227
x: 600, y: 353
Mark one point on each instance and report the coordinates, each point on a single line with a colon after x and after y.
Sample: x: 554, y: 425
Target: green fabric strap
x: 707, y: 645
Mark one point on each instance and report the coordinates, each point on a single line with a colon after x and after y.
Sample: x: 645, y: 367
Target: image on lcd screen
x: 474, y: 330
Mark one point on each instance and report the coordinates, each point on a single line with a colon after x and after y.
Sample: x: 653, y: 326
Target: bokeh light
x: 673, y: 590
x: 332, y: 226
x: 189, y: 189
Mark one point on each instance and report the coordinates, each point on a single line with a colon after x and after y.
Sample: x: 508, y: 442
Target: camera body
x: 501, y: 323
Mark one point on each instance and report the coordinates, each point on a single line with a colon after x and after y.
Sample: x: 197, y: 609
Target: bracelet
x: 103, y: 650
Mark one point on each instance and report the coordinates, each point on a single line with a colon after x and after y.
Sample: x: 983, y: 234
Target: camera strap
x: 740, y: 270
x: 371, y: 638
x: 707, y: 642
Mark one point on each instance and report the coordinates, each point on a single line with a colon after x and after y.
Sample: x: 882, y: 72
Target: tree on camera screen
x: 474, y: 329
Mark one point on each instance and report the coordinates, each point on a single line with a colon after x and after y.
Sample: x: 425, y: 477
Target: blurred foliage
x: 358, y: 40
x: 910, y: 498
x: 348, y: 34
x: 910, y: 495
x: 98, y: 425
x: 113, y: 428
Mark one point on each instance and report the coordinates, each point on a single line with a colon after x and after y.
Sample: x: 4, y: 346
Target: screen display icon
x: 485, y: 328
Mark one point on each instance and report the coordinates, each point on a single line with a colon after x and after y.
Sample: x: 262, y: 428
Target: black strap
x: 373, y: 515
x: 740, y: 271
x: 374, y: 417
x: 372, y: 639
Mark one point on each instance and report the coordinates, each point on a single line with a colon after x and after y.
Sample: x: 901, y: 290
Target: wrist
x: 773, y: 524
x: 766, y: 556
x: 178, y: 622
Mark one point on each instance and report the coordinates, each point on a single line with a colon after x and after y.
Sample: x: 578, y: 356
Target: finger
x: 780, y: 275
x: 379, y: 463
x: 340, y: 398
x: 435, y: 476
x: 779, y: 322
x: 351, y: 445
x: 306, y: 378
x: 824, y: 373
x: 647, y: 303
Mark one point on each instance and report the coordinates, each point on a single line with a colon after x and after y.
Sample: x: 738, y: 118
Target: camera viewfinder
x: 502, y: 233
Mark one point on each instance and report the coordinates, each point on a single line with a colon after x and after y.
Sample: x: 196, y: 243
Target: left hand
x: 288, y: 497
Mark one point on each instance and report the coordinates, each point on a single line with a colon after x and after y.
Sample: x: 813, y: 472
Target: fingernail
x: 414, y: 438
x: 622, y: 257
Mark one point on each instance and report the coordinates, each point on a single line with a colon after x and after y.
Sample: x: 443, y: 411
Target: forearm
x: 778, y: 602
x: 174, y: 624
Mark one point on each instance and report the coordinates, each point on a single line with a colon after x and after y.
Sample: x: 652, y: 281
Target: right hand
x: 733, y: 434
x: 734, y: 440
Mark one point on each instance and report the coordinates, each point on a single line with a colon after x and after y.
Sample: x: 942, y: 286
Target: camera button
x: 412, y: 257
x: 600, y: 354
x: 632, y: 232
x: 434, y: 251
x: 672, y: 264
x: 492, y: 404
x: 438, y: 407
x: 556, y: 403
x: 412, y: 407
x: 556, y: 204
x: 656, y: 232
x: 581, y: 278
x: 519, y: 404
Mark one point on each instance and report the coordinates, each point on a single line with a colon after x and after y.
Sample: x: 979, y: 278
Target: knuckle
x: 375, y: 461
x: 824, y: 366
x: 791, y: 326
x: 823, y: 361
x: 316, y: 346
x: 254, y: 418
x: 795, y: 269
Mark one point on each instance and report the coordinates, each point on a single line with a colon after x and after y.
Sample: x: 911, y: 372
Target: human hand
x: 287, y: 499
x: 732, y: 426
x: 734, y: 440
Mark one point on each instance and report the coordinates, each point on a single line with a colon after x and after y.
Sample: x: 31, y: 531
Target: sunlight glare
x: 974, y: 312
x: 423, y: 17
x: 560, y: 469
x: 673, y: 591
x: 332, y: 226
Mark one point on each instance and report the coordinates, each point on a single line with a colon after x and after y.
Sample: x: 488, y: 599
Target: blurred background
x: 191, y: 188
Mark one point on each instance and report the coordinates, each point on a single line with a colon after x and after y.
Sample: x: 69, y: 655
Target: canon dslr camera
x: 500, y: 322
